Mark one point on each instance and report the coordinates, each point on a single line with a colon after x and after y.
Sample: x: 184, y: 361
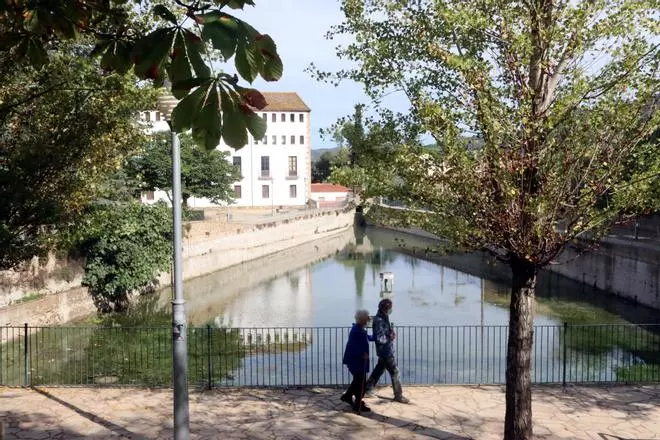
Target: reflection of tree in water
x: 353, y: 257
x: 294, y: 282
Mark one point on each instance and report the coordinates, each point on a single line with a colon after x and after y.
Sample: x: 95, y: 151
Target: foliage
x: 63, y: 130
x: 180, y: 48
x: 133, y: 348
x: 323, y: 166
x: 563, y: 95
x: 126, y: 247
x: 203, y: 173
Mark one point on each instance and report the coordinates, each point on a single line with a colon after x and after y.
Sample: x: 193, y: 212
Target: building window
x: 256, y: 141
x: 301, y: 118
x: 283, y: 140
x: 149, y: 195
x: 293, y: 166
x: 302, y: 140
x: 236, y: 160
x: 157, y: 116
x: 147, y: 116
x: 293, y: 191
x: 283, y: 117
x: 274, y: 139
x: 264, y: 116
x: 293, y: 139
x: 237, y: 191
x: 273, y: 118
x: 265, y: 191
x: 292, y: 117
x: 265, y: 140
x: 265, y: 166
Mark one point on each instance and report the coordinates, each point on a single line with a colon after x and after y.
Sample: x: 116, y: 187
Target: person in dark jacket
x: 384, y: 336
x: 356, y: 358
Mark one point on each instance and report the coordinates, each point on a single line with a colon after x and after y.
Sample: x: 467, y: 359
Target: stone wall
x: 39, y: 277
x: 208, y: 247
x: 626, y: 268
x: 622, y: 267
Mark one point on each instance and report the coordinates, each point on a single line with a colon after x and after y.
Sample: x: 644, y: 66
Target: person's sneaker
x: 370, y: 392
x: 401, y: 399
x: 362, y: 408
x: 346, y: 398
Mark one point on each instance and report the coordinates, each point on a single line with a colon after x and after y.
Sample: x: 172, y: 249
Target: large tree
x: 183, y: 46
x: 62, y: 131
x: 563, y: 94
x: 203, y: 173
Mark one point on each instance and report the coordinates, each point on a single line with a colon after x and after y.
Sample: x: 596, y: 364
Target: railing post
x: 209, y: 365
x: 25, y: 356
x: 565, y: 338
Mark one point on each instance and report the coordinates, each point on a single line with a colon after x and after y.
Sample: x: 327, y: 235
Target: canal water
x: 284, y: 321
x: 293, y: 312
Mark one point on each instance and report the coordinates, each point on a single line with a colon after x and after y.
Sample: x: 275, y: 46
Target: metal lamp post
x: 166, y: 104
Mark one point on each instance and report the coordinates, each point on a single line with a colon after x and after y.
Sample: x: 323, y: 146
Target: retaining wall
x: 209, y: 248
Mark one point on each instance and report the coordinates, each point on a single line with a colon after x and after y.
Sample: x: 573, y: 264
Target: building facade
x: 276, y: 170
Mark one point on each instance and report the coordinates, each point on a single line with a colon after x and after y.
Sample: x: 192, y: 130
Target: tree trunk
x: 518, y: 417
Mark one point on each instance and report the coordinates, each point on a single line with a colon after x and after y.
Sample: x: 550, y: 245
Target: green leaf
x: 272, y: 69
x: 151, y: 52
x: 248, y: 61
x: 222, y: 38
x: 100, y: 46
x: 116, y: 57
x: 182, y: 88
x: 185, y: 111
x: 164, y: 13
x: 179, y: 68
x: 234, y: 131
x: 206, y: 127
x: 194, y: 48
x: 255, y: 123
x: 239, y: 4
x: 36, y: 53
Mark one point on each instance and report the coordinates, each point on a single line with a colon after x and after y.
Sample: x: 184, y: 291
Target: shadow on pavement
x: 116, y: 429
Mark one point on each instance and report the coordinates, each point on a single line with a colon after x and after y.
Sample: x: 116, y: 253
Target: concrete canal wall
x: 208, y: 247
x: 627, y: 268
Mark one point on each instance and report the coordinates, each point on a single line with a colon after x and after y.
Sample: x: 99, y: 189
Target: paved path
x: 616, y: 413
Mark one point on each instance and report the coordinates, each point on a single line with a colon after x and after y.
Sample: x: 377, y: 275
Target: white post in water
x: 386, y: 283
x: 166, y: 104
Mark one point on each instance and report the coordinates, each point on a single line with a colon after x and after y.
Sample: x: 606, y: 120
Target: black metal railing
x: 312, y: 356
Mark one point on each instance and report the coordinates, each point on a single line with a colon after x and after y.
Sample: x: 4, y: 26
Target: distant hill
x: 316, y: 154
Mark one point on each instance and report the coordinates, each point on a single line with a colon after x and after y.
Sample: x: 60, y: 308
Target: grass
x: 120, y: 349
x: 601, y: 347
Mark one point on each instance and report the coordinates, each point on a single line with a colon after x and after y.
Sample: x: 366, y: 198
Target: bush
x: 126, y: 247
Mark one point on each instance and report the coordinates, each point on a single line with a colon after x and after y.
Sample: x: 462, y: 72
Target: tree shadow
x: 639, y: 401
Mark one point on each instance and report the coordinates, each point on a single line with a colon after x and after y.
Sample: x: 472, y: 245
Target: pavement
x: 442, y: 412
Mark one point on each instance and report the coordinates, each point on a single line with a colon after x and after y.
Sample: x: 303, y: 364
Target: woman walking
x: 356, y: 358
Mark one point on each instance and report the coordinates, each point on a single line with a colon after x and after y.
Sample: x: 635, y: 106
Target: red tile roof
x: 284, y: 101
x: 328, y: 187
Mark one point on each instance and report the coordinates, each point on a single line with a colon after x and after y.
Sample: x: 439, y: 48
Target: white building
x: 329, y: 195
x: 277, y: 169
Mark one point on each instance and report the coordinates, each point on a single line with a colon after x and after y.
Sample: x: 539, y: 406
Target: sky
x: 298, y: 28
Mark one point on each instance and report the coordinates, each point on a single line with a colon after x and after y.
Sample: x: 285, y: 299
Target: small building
x: 329, y: 195
x: 277, y: 169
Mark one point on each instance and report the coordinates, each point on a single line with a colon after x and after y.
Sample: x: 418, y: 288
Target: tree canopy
x: 181, y: 46
x: 564, y: 96
x: 203, y: 173
x: 63, y: 130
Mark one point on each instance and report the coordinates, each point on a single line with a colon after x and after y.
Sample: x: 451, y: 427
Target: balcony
x: 292, y: 175
x: 264, y: 175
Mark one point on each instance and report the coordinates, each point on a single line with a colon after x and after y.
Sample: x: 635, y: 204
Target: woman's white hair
x: 362, y: 314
